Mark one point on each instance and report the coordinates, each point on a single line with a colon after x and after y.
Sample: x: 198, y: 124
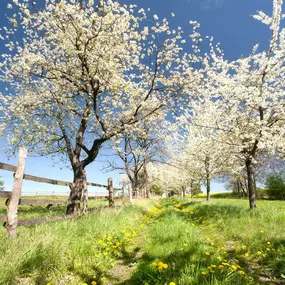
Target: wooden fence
x: 13, y: 198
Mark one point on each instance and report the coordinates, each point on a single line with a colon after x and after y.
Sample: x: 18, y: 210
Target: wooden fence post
x: 12, y: 215
x: 111, y: 192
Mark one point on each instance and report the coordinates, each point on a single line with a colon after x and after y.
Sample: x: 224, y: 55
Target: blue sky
x: 228, y: 21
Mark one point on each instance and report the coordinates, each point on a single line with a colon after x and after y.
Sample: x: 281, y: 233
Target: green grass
x: 66, y: 252
x: 38, y: 211
x: 218, y: 243
x: 185, y: 242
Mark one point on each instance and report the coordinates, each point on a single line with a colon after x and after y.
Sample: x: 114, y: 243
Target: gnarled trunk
x: 78, y: 193
x: 250, y: 183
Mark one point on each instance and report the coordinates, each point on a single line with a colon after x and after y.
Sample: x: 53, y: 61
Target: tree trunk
x: 130, y: 193
x: 208, y: 187
x: 183, y: 193
x: 250, y: 180
x: 123, y: 192
x: 243, y: 190
x: 78, y: 193
x: 148, y: 194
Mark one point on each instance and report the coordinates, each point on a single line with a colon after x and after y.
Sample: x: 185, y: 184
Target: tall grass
x: 65, y: 252
x: 174, y: 242
x: 218, y: 243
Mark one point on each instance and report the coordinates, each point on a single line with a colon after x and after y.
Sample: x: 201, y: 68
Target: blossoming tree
x: 79, y: 74
x: 245, y: 98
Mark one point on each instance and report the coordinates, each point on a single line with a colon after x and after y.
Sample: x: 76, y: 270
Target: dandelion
x: 247, y: 254
x: 268, y: 249
x: 221, y: 267
x: 172, y: 283
x: 165, y: 266
x: 154, y: 264
x: 259, y: 252
x: 207, y: 253
x: 268, y: 242
x: 94, y: 283
x: 204, y: 273
x: 49, y: 283
x: 185, y: 244
x: 241, y: 272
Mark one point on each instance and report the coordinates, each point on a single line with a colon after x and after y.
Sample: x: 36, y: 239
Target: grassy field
x: 153, y: 242
x: 30, y: 212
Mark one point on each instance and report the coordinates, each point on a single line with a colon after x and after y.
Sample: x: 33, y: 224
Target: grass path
x: 220, y: 243
x: 163, y: 242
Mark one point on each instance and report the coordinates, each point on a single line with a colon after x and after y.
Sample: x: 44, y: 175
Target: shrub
x: 275, y: 186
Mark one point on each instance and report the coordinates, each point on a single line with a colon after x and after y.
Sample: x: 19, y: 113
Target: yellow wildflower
x: 154, y: 264
x: 242, y: 272
x: 207, y: 253
x: 221, y: 267
x: 165, y: 265
x: 259, y: 252
x: 204, y: 273
x: 172, y: 283
x: 185, y: 244
x: 94, y: 283
x: 268, y: 242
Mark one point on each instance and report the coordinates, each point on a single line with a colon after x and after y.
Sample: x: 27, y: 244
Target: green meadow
x: 167, y: 241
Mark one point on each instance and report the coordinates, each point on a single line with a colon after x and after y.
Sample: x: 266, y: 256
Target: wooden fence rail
x: 13, y: 198
x: 13, y: 168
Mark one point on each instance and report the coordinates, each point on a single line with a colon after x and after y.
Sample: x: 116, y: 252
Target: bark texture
x: 78, y: 193
x: 251, y: 184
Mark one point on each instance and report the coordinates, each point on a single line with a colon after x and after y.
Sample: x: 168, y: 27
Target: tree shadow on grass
x: 212, y: 211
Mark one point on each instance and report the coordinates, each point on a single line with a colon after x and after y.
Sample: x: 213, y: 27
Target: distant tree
x: 275, y: 186
x: 195, y: 188
x: 134, y: 151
